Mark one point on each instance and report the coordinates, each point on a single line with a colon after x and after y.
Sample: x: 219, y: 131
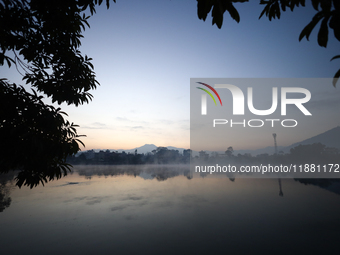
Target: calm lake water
x: 163, y: 210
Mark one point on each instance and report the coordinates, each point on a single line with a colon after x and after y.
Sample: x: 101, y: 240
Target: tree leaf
x: 308, y: 29
x: 203, y: 8
x: 265, y: 10
x: 335, y: 57
x: 326, y: 5
x: 334, y: 23
x: 277, y: 10
x: 323, y: 33
x: 233, y: 12
x: 336, y: 78
x: 336, y: 4
x: 283, y: 5
x: 79, y: 141
x: 217, y: 14
x: 315, y: 4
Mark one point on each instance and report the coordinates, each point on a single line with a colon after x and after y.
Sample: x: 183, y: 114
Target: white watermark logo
x: 238, y: 107
x: 238, y: 100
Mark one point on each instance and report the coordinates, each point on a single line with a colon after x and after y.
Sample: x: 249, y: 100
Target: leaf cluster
x: 328, y: 13
x: 34, y: 137
x: 45, y: 39
x: 218, y: 8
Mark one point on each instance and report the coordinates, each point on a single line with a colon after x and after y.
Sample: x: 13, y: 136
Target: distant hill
x: 330, y: 138
x: 149, y: 148
x: 142, y: 149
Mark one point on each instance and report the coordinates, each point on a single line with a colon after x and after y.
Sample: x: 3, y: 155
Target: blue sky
x: 145, y: 53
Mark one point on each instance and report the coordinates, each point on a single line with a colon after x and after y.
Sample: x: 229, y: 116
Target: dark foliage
x: 161, y: 155
x: 42, y: 39
x: 328, y: 13
x: 34, y: 137
x: 46, y: 35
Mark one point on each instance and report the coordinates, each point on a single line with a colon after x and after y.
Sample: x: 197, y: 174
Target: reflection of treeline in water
x: 161, y: 155
x: 311, y: 153
x: 160, y: 173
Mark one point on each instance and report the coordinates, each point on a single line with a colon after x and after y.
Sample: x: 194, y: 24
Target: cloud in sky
x: 122, y: 119
x: 96, y: 125
x: 137, y: 127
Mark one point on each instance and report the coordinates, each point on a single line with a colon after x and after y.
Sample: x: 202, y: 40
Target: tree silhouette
x: 34, y: 137
x: 229, y: 151
x: 42, y: 39
x: 328, y: 13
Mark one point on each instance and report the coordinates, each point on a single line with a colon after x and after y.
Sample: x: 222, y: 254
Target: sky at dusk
x: 145, y: 53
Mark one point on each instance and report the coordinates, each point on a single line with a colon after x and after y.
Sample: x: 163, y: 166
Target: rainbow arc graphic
x: 209, y: 93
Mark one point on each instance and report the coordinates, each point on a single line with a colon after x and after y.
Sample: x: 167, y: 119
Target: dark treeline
x: 161, y: 155
x: 311, y: 153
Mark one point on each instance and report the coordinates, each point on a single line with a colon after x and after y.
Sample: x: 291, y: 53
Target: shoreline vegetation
x: 316, y: 153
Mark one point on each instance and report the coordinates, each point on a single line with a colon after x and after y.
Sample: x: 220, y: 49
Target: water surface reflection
x: 163, y: 210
